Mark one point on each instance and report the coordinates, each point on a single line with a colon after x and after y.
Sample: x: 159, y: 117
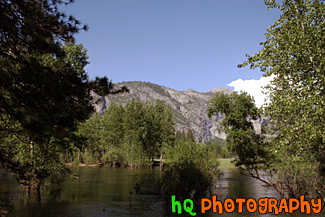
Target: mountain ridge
x: 188, y: 107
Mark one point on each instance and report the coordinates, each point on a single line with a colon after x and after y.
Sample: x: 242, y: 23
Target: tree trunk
x: 161, y: 161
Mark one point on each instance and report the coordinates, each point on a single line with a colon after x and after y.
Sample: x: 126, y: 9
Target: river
x: 105, y: 191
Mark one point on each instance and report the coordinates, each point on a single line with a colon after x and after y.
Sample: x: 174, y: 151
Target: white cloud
x: 252, y: 87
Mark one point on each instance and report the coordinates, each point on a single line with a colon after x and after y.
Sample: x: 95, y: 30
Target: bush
x: 89, y: 158
x: 6, y: 206
x: 218, y: 146
x: 190, y: 173
x: 186, y: 180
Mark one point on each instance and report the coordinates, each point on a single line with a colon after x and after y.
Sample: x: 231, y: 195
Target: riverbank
x: 82, y: 165
x: 225, y: 163
x: 106, y: 192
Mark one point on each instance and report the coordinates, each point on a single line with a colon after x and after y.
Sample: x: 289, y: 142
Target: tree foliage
x: 44, y: 88
x: 34, y: 155
x: 190, y: 172
x: 36, y: 91
x: 293, y: 53
x: 241, y: 137
x: 132, y: 135
x: 218, y: 146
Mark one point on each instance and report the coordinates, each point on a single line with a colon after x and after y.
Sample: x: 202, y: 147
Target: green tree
x: 178, y: 134
x: 91, y: 129
x: 148, y: 126
x: 104, y: 86
x: 241, y: 137
x: 183, y: 135
x: 218, y: 146
x: 112, y: 135
x: 135, y: 129
x: 190, y: 172
x: 190, y: 135
x: 28, y: 150
x: 167, y: 128
x: 293, y: 53
x: 44, y: 89
x: 132, y: 135
x: 34, y: 94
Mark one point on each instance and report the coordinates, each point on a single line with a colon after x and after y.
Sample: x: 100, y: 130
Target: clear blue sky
x: 180, y: 44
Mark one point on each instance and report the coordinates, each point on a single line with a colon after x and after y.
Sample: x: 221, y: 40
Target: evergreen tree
x: 44, y: 89
x: 178, y: 135
x: 33, y: 139
x: 34, y: 93
x: 190, y: 135
x: 183, y: 135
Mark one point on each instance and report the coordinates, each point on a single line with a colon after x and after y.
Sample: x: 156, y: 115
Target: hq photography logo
x: 262, y: 205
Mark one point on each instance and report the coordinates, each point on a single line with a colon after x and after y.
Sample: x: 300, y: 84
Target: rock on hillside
x: 188, y: 107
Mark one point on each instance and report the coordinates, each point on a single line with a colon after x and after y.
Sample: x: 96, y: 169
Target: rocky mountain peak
x: 225, y: 90
x: 188, y: 107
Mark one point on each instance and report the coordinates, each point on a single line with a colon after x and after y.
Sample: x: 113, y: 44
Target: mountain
x: 188, y: 107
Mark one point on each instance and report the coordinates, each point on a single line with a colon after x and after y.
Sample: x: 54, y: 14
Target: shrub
x: 190, y: 172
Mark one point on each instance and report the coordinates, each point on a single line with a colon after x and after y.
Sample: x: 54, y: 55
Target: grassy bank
x: 225, y: 163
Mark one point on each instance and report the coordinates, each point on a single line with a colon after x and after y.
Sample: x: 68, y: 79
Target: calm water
x: 109, y: 192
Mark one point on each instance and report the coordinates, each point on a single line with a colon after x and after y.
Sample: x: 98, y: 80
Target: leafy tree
x: 190, y: 171
x: 91, y: 129
x: 132, y: 135
x: 217, y: 140
x: 135, y: 129
x: 149, y: 125
x: 218, y: 146
x: 112, y: 134
x: 34, y: 164
x: 183, y: 135
x: 31, y: 147
x: 190, y: 135
x: 241, y: 137
x: 178, y: 134
x: 167, y: 129
x: 293, y: 53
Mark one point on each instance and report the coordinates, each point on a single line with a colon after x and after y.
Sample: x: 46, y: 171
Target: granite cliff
x: 188, y: 107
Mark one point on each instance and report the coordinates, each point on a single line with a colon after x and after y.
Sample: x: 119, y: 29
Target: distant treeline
x: 139, y: 133
x: 132, y: 135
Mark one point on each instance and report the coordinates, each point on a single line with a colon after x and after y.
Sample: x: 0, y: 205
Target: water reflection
x: 235, y: 185
x: 109, y: 192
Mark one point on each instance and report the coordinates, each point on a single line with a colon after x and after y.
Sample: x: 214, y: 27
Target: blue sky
x: 180, y: 44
